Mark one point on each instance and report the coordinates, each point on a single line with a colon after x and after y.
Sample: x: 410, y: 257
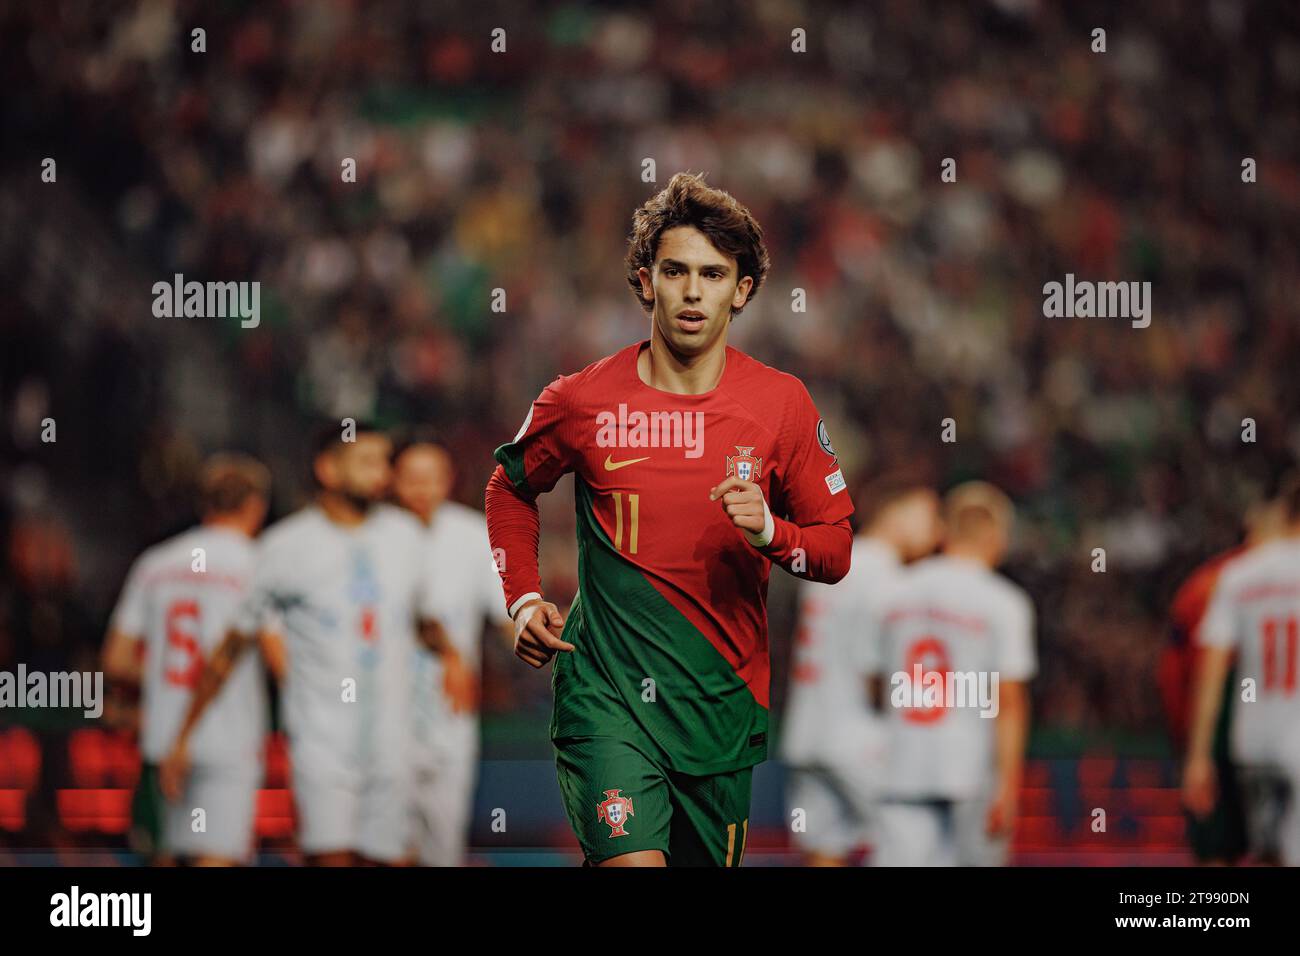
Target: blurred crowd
x: 519, y: 170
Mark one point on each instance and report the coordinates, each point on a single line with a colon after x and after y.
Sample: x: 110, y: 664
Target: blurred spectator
x: 477, y: 255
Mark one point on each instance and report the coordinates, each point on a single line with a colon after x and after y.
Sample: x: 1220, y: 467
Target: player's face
x: 257, y: 507
x: 359, y: 470
x: 422, y: 479
x: 921, y: 524
x: 1001, y: 535
x: 693, y: 286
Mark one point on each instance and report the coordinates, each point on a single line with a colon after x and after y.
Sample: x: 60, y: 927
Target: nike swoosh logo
x: 611, y: 465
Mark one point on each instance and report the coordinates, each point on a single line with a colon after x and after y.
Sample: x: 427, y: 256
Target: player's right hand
x: 172, y: 772
x: 1000, y: 820
x: 538, y: 626
x: 1199, y: 786
x: 459, y: 684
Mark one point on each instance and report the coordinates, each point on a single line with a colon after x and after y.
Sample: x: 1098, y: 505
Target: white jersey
x: 950, y: 616
x: 828, y: 714
x: 1255, y: 609
x: 465, y: 588
x: 347, y: 600
x: 182, y: 615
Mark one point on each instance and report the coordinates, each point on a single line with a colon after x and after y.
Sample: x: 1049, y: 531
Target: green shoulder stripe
x: 511, y: 457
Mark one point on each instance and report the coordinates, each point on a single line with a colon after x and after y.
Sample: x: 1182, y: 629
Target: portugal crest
x: 615, y: 810
x: 744, y: 465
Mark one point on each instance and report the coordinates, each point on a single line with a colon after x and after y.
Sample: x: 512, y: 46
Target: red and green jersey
x: 670, y: 622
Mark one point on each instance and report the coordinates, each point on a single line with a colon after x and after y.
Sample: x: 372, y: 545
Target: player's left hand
x: 743, y: 503
x: 459, y: 684
x: 173, y: 770
x: 1200, y: 786
x: 1001, y: 817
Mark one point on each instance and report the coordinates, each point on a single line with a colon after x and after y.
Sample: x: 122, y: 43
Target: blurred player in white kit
x: 953, y: 773
x: 1255, y: 612
x: 467, y: 590
x: 831, y: 740
x: 345, y: 579
x: 179, y: 599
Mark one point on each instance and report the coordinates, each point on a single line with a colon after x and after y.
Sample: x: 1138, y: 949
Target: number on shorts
x: 731, y: 841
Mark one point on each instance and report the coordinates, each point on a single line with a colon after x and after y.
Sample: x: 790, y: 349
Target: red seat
x: 275, y: 816
x: 1143, y: 774
x: 277, y: 762
x: 87, y: 758
x: 1036, y: 832
x: 1163, y: 831
x: 13, y: 810
x: 1036, y: 801
x: 1036, y: 774
x: 1096, y: 771
x: 1155, y: 801
x: 101, y: 758
x: 20, y: 759
x: 101, y: 810
x: 123, y: 759
x: 1111, y: 800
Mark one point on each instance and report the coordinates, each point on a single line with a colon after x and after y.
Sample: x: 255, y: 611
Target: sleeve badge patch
x: 824, y: 438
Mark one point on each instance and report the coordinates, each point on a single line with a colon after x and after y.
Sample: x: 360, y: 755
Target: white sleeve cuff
x: 521, y: 601
x: 764, y: 537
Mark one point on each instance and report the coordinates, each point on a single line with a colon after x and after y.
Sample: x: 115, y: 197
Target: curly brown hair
x: 688, y: 201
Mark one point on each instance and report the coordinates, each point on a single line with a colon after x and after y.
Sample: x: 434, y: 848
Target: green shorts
x: 1221, y: 836
x: 620, y: 799
x: 147, y: 809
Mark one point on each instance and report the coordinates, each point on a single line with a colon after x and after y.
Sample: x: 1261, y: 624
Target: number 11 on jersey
x: 634, y: 521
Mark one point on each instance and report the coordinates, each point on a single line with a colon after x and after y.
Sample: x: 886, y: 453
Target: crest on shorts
x: 614, y: 810
x: 744, y: 465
